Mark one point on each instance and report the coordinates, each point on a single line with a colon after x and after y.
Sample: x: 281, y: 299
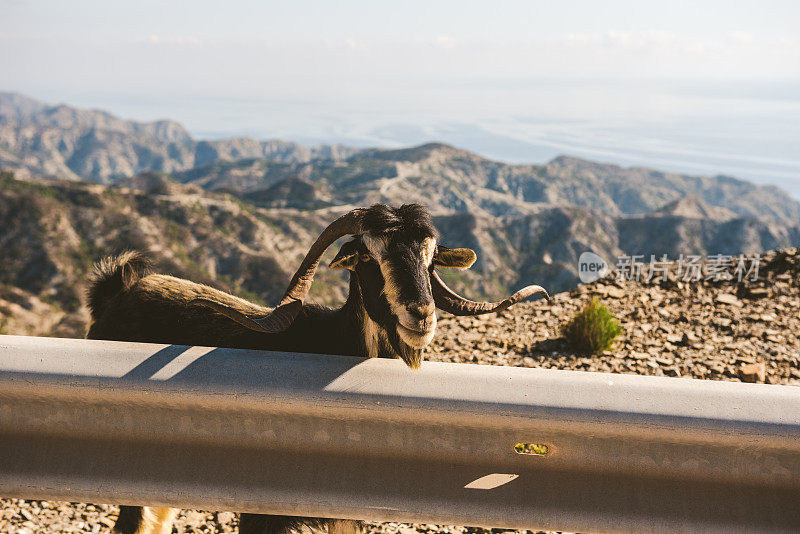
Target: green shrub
x: 593, y: 329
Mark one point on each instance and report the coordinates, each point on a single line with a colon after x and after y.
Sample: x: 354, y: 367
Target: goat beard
x: 410, y: 355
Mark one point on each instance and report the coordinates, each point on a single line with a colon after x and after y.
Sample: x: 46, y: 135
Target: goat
x: 389, y: 313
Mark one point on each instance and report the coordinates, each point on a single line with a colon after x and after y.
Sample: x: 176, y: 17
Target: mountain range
x: 79, y: 144
x: 240, y: 213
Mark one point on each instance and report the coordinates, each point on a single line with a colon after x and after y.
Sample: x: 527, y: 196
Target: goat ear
x: 347, y: 258
x: 459, y: 258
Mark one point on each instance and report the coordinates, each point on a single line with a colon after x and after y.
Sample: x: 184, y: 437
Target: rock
x: 728, y: 298
x: 758, y: 293
x: 615, y: 292
x: 753, y: 372
x: 225, y: 517
x: 689, y: 336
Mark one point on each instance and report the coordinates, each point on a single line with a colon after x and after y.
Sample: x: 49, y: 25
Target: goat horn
x: 448, y: 300
x: 285, y: 313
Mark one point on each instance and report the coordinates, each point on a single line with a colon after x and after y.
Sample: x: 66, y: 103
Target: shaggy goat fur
x: 129, y: 303
x: 389, y: 312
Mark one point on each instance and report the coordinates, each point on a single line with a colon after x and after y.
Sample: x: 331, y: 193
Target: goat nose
x: 421, y: 310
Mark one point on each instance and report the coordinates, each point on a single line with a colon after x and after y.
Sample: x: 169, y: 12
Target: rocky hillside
x: 715, y: 331
x: 52, y: 231
x: 528, y: 223
x: 452, y: 180
x: 69, y: 143
x: 724, y: 330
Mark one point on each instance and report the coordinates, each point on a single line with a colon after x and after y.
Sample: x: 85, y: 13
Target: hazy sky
x: 257, y: 48
x: 512, y: 79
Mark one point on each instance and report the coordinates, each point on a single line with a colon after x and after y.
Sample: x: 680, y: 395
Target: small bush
x: 593, y: 329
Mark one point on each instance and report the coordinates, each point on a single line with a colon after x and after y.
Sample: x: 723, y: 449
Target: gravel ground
x: 718, y: 331
x: 724, y: 330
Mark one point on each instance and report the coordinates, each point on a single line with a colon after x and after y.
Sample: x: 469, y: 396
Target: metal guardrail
x: 329, y: 436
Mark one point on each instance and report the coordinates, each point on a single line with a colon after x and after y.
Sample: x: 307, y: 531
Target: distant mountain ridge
x: 692, y: 207
x: 77, y: 144
x: 29, y: 112
x: 69, y: 143
x: 452, y: 180
x: 52, y: 231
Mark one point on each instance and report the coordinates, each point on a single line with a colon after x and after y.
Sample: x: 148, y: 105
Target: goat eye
x: 365, y: 257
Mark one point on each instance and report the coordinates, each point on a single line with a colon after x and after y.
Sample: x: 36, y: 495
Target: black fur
x: 370, y: 283
x: 128, y: 519
x: 274, y: 524
x: 113, y: 275
x: 129, y: 304
x: 409, y: 221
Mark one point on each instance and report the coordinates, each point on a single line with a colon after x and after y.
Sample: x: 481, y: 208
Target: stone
x: 753, y: 372
x: 728, y: 298
x: 615, y: 292
x: 758, y: 293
